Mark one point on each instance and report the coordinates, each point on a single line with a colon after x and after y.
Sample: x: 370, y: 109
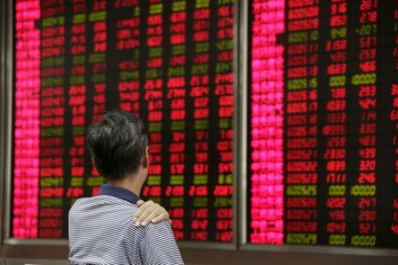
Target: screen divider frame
x: 9, y: 89
x: 243, y: 172
x: 7, y: 113
x: 3, y: 104
x: 240, y: 122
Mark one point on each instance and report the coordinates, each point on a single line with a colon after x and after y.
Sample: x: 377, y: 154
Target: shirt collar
x: 118, y: 192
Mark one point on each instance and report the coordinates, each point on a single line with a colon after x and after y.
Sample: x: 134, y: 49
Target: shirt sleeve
x: 158, y: 246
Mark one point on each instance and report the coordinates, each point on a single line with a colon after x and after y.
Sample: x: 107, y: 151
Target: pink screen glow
x: 169, y: 62
x: 27, y: 127
x: 267, y: 123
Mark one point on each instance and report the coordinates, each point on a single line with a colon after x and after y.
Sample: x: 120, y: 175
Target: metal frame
x: 243, y: 117
x: 6, y: 111
x: 240, y: 123
x: 323, y: 250
x: 237, y: 125
x: 2, y: 113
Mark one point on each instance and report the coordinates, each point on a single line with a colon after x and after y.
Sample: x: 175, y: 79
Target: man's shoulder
x: 80, y: 205
x: 162, y: 227
x: 102, y: 201
x: 83, y: 201
x: 101, y: 212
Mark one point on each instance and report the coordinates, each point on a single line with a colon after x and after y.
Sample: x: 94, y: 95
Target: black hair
x: 118, y: 144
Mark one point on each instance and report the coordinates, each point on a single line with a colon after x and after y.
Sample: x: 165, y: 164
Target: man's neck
x: 131, y: 183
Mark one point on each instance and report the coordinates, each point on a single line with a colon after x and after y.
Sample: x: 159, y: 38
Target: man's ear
x: 145, y: 163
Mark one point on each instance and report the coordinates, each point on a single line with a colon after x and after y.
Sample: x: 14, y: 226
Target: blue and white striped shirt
x: 102, y: 231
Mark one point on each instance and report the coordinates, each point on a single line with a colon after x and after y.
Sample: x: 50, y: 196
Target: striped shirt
x: 102, y: 231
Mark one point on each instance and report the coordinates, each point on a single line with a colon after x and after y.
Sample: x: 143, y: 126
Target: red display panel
x: 169, y: 62
x: 323, y: 123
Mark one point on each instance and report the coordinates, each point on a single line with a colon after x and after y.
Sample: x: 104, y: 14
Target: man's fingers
x: 161, y: 217
x: 146, y: 204
x: 150, y: 217
x: 150, y: 212
x: 140, y: 203
x: 142, y: 217
x: 142, y: 207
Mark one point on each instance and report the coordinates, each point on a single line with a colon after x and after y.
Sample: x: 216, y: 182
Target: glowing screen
x: 169, y: 62
x: 323, y: 114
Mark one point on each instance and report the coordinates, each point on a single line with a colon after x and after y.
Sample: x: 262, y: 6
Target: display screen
x: 323, y: 111
x: 169, y: 62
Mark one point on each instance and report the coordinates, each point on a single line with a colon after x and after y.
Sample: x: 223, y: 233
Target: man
x: 101, y: 230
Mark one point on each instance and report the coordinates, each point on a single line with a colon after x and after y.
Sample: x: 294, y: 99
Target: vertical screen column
x: 223, y: 189
x: 394, y: 118
x: 92, y: 99
x: 301, y: 117
x: 363, y: 84
x: 266, y: 123
x: 199, y: 94
x: 100, y: 69
x: 176, y: 87
x: 154, y: 95
x: 124, y: 32
x: 76, y: 108
x: 52, y: 120
x: 128, y: 33
x: 26, y: 120
x: 333, y: 152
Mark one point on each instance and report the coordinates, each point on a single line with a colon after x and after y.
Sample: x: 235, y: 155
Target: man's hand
x: 149, y: 212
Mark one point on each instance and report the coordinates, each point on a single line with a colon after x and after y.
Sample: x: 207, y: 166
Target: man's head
x: 118, y: 145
